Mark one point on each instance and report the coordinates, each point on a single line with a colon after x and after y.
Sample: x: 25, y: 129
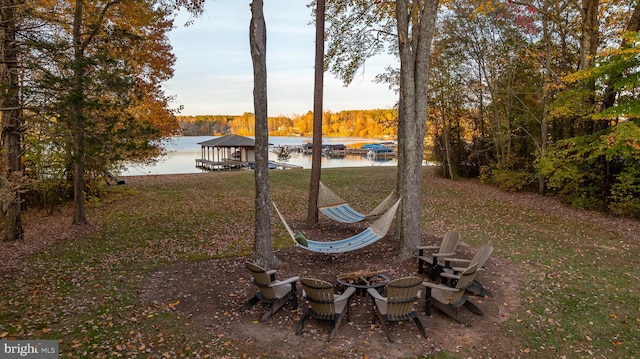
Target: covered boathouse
x: 231, y: 152
x: 226, y: 152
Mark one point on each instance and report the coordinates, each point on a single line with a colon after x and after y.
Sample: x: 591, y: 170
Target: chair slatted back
x: 466, y: 278
x: 481, y: 256
x: 261, y: 279
x: 401, y: 294
x: 450, y: 242
x: 320, y: 296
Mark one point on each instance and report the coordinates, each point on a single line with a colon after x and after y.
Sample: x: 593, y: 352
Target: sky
x: 214, y: 74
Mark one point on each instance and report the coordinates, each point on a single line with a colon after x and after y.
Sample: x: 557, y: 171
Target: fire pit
x: 363, y: 280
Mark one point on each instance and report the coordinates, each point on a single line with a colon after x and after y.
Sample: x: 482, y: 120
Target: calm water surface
x: 183, y: 152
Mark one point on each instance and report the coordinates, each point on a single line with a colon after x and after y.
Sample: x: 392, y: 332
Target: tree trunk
x: 447, y: 146
x: 589, y: 41
x: 77, y: 119
x: 11, y: 124
x: 546, y: 100
x: 263, y: 248
x: 414, y: 48
x: 318, y: 88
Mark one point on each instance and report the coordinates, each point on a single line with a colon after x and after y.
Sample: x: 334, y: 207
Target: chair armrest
x: 345, y: 295
x: 286, y: 281
x: 375, y: 295
x: 428, y: 247
x: 450, y: 275
x: 441, y: 254
x: 439, y: 286
x: 462, y: 269
x: 448, y: 260
x: 459, y: 260
x: 421, y: 249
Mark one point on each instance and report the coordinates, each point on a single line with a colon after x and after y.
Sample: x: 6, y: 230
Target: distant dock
x: 348, y: 151
x: 341, y: 150
x: 229, y: 165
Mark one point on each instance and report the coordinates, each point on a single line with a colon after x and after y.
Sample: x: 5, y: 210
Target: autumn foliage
x: 352, y: 123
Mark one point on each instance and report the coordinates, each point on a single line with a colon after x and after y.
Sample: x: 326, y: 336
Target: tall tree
x: 101, y: 65
x: 415, y: 29
x: 262, y: 245
x: 589, y: 42
x: 78, y: 103
x: 318, y: 88
x: 10, y: 108
x: 360, y: 30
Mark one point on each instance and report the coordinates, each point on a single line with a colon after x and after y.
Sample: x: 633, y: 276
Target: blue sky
x: 214, y: 74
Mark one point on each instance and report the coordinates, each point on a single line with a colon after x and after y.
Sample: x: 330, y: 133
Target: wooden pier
x: 220, y: 165
x: 328, y: 151
x: 229, y: 165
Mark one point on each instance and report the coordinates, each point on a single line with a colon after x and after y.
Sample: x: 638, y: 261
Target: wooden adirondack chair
x: 398, y: 304
x: 431, y: 261
x: 448, y: 299
x: 274, y: 292
x: 324, y: 304
x: 451, y: 273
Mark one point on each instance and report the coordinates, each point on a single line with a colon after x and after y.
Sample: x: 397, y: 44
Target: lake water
x: 183, y: 152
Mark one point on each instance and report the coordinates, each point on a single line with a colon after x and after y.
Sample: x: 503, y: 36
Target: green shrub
x: 629, y: 208
x: 625, y: 193
x: 600, y: 171
x: 508, y: 174
x: 512, y: 180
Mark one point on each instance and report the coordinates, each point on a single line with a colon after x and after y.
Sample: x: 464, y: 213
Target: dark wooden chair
x: 274, y: 293
x: 430, y: 258
x: 324, y: 304
x: 451, y: 272
x: 448, y: 299
x: 398, y: 304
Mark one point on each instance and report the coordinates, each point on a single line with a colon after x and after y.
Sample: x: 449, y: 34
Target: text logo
x: 31, y: 349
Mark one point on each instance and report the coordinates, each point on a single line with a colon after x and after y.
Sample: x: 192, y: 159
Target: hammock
x: 372, y: 234
x: 336, y: 208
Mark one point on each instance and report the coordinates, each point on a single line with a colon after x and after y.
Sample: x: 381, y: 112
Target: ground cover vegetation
x: 159, y: 273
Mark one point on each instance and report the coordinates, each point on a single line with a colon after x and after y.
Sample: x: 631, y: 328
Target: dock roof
x: 229, y: 141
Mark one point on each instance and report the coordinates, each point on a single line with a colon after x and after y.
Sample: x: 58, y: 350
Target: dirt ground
x: 211, y: 292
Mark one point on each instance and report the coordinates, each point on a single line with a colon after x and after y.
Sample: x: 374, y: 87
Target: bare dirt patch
x: 211, y: 292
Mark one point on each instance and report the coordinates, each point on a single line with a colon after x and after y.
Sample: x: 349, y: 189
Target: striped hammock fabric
x: 337, y: 209
x: 343, y: 213
x: 372, y: 234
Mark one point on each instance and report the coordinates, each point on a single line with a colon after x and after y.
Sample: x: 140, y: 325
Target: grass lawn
x: 580, y: 296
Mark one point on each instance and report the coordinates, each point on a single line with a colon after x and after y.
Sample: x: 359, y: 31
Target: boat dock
x: 220, y: 165
x: 341, y: 150
x: 229, y: 165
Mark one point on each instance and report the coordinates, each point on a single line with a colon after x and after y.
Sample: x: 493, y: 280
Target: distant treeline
x: 352, y: 123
